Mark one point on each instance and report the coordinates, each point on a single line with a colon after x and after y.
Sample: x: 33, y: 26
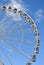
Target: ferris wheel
x: 19, y: 38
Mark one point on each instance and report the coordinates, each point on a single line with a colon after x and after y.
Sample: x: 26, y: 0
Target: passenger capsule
x: 29, y: 20
x: 37, y: 42
x: 25, y: 16
x: 14, y: 10
x: 9, y: 8
x: 36, y: 50
x: 20, y: 12
x: 29, y: 63
x: 35, y: 30
x: 37, y: 35
x: 33, y: 58
x: 4, y: 8
x: 32, y: 24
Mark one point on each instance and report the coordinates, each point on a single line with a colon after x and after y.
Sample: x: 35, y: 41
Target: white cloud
x: 39, y: 15
x: 15, y: 4
x: 20, y: 1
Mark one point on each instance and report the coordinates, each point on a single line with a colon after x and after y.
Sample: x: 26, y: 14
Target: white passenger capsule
x: 32, y: 23
x: 15, y: 10
x: 37, y: 42
x: 33, y: 58
x: 37, y: 35
x: 29, y: 20
x: 9, y: 8
x: 25, y: 15
x: 20, y: 12
x: 36, y: 30
x: 34, y: 27
x: 36, y: 50
x: 4, y: 8
x: 29, y: 63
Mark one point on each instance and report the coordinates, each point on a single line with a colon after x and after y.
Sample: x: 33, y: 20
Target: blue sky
x: 35, y: 8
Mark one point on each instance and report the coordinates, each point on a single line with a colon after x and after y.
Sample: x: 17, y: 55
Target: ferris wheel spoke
x: 28, y: 31
x: 15, y: 49
x: 14, y: 32
x: 13, y: 26
x: 1, y: 62
x: 17, y: 25
x: 4, y: 19
x: 8, y: 34
x: 6, y: 23
x: 28, y: 41
x: 24, y: 40
x: 2, y: 22
x: 6, y: 55
x: 5, y: 35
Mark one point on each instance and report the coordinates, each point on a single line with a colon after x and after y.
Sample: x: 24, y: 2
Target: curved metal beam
x: 6, y: 56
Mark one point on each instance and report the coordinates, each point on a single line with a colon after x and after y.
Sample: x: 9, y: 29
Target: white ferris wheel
x: 19, y: 38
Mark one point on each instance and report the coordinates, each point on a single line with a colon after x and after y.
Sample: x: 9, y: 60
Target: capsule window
x: 32, y: 22
x: 15, y: 10
x: 20, y: 12
x: 35, y: 30
x: 37, y: 50
x: 4, y: 8
x: 29, y: 20
x: 9, y: 8
x: 25, y: 16
x: 37, y: 37
x: 37, y: 41
x: 38, y: 44
x: 33, y: 58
